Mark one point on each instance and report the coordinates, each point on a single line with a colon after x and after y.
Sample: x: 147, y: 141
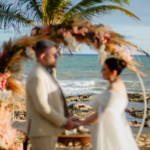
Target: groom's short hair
x: 42, y: 45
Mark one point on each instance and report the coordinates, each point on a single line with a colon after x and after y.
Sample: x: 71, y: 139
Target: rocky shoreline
x: 138, y: 113
x: 133, y: 97
x: 82, y: 110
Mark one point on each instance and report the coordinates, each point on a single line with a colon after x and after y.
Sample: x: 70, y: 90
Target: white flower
x: 30, y: 53
x: 72, y: 43
x: 5, y: 94
x: 102, y: 53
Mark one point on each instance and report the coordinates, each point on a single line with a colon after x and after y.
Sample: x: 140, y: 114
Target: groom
x: 47, y: 114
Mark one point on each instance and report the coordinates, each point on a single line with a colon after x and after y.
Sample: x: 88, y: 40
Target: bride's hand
x: 78, y: 123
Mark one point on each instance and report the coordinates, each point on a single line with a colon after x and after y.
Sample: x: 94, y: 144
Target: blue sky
x: 137, y: 32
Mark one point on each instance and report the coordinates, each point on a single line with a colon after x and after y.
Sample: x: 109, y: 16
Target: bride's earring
x: 111, y: 78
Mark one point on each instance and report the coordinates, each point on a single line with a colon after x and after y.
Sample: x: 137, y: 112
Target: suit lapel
x: 57, y: 84
x: 62, y: 97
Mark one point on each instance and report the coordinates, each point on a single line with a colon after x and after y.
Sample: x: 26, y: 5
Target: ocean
x: 80, y: 74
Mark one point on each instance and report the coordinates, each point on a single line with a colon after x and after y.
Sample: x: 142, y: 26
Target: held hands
x: 72, y: 123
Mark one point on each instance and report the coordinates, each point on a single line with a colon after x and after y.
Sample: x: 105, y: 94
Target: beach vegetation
x: 18, y: 13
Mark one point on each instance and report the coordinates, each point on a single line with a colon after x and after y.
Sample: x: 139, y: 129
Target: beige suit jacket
x: 45, y: 107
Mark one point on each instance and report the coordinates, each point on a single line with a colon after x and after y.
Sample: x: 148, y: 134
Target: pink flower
x: 109, y: 40
x: 121, y: 49
x: 127, y: 50
x: 7, y: 133
x: 133, y: 51
x: 127, y: 57
x: 83, y: 31
x: 61, y: 31
x: 46, y: 30
x: 75, y: 30
x: 67, y: 34
x: 2, y: 81
x: 7, y: 74
x: 115, y: 49
x: 101, y: 37
x: 107, y: 35
x: 104, y: 41
x: 123, y: 52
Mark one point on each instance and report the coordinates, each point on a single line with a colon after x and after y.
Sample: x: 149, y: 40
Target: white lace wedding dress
x: 112, y: 131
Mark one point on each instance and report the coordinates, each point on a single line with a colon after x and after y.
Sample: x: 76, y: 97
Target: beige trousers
x: 44, y: 142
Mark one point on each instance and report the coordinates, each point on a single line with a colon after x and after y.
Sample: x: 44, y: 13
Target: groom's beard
x: 50, y: 66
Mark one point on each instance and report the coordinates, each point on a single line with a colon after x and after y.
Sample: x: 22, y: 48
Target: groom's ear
x: 42, y: 56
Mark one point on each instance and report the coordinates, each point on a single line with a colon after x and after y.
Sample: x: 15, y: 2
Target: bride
x: 110, y: 129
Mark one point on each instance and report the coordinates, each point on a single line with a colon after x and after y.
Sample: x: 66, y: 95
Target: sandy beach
x: 20, y: 112
x: 81, y: 110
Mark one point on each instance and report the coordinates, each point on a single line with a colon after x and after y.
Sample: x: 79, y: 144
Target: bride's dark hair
x: 116, y: 64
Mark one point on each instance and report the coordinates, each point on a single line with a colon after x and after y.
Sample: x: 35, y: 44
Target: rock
x: 134, y: 110
x: 138, y: 97
x: 80, y: 106
x: 84, y: 109
x: 80, y: 110
x: 21, y: 116
x: 136, y: 113
x: 131, y: 123
x: 78, y: 98
x: 128, y: 110
x: 140, y: 143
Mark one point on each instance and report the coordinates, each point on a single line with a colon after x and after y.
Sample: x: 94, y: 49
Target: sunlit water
x: 81, y: 75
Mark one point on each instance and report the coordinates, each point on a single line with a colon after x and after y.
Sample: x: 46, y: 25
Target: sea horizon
x: 80, y: 74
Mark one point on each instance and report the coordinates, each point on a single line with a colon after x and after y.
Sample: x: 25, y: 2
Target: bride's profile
x: 110, y: 128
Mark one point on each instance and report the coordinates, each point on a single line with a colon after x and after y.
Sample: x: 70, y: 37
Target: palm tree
x: 57, y: 11
x: 11, y: 16
x: 46, y: 12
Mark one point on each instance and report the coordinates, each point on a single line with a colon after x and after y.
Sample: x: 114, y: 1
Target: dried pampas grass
x: 16, y: 88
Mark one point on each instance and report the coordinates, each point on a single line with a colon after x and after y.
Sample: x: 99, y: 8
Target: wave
x: 72, y: 83
x: 125, y: 81
x: 83, y: 86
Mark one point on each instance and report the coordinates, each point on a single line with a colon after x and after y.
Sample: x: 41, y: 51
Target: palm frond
x: 33, y: 9
x: 82, y: 5
x: 126, y: 1
x: 44, y: 9
x: 11, y: 16
x: 86, y: 4
x: 119, y: 2
x: 103, y: 10
x: 53, y: 10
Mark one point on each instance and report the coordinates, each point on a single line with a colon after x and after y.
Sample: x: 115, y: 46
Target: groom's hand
x: 70, y: 124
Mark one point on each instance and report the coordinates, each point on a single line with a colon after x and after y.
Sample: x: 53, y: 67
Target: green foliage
x: 45, y: 12
x: 53, y: 10
x: 118, y: 1
x: 11, y: 16
x: 102, y: 10
x: 33, y: 9
x: 93, y: 7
